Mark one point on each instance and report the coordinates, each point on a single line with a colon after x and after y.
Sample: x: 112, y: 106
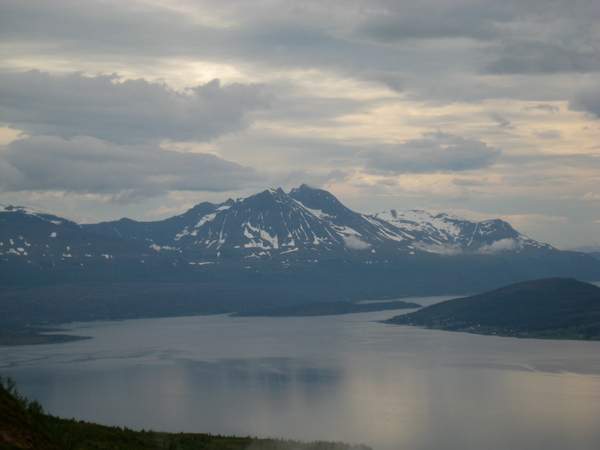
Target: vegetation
x: 556, y: 308
x: 24, y: 425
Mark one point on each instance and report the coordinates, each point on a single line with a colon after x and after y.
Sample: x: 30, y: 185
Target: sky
x: 145, y: 108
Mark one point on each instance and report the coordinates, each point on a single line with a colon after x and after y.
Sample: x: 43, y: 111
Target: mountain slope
x: 313, y: 223
x: 556, y: 308
x: 23, y: 425
x: 448, y: 234
x: 265, y: 225
x: 36, y: 247
x: 304, y: 243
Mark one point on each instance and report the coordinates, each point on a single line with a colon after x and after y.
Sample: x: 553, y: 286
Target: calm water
x: 339, y: 378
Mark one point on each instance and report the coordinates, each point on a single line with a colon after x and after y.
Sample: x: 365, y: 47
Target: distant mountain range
x: 299, y: 246
x: 557, y: 308
x: 311, y: 223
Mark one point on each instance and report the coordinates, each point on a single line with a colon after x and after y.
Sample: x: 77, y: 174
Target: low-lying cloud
x: 435, y: 152
x: 499, y: 246
x: 354, y: 243
x: 455, y: 249
x: 440, y: 249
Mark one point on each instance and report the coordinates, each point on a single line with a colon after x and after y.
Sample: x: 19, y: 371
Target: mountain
x: 559, y: 308
x: 449, y: 234
x: 592, y: 250
x: 309, y: 228
x: 270, y: 249
x: 37, y: 247
x: 308, y: 222
x: 312, y: 223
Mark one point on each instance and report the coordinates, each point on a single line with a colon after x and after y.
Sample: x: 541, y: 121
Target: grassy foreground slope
x: 24, y: 425
x: 554, y: 308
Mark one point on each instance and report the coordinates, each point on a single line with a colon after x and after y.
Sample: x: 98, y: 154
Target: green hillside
x: 24, y: 425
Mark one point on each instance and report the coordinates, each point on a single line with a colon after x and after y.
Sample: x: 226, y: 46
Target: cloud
x: 542, y: 107
x: 499, y: 246
x: 449, y: 249
x: 548, y: 134
x: 124, y: 111
x: 468, y: 182
x: 503, y: 122
x: 533, y: 57
x: 295, y: 178
x: 435, y: 152
x: 354, y: 243
x: 588, y: 100
x: 424, y: 23
x: 128, y: 173
x: 454, y: 249
x: 392, y: 80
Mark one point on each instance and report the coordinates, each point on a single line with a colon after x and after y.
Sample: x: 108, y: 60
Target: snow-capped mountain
x: 313, y: 223
x: 271, y: 223
x: 304, y: 240
x: 448, y: 234
x: 36, y: 246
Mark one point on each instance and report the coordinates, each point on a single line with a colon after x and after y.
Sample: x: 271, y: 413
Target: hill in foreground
x: 555, y: 308
x: 24, y: 425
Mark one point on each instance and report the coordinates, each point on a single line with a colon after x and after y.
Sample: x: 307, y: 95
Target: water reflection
x: 344, y: 378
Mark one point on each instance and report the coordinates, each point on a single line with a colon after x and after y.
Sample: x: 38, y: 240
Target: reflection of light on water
x: 386, y: 406
x: 171, y: 392
x: 562, y: 406
x: 339, y: 378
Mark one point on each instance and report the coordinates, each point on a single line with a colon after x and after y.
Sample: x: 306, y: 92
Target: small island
x: 555, y: 308
x: 327, y: 309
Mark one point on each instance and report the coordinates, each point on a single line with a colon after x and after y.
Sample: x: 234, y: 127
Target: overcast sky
x: 484, y: 109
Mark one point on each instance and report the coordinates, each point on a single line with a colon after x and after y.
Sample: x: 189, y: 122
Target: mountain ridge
x: 300, y: 246
x: 309, y: 219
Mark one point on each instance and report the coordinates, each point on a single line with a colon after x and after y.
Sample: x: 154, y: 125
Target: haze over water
x: 338, y: 378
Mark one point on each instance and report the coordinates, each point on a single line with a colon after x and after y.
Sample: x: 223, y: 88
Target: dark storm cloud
x: 123, y: 111
x: 86, y: 165
x: 435, y: 152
